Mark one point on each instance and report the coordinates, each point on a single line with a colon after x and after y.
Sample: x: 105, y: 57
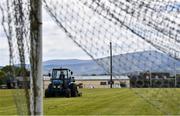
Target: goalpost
x: 36, y: 57
x: 22, y: 24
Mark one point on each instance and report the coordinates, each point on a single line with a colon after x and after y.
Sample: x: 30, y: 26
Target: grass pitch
x: 7, y: 104
x: 105, y: 102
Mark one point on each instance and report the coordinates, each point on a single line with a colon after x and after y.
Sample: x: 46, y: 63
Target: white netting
x: 144, y: 34
x: 15, y: 22
x: 93, y: 24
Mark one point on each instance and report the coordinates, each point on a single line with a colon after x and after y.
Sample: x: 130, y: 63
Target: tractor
x: 62, y: 84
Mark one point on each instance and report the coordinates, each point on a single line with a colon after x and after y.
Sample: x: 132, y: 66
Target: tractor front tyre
x: 67, y: 93
x: 48, y: 91
x: 47, y: 94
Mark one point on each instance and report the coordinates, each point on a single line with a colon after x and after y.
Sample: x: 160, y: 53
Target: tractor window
x: 69, y: 73
x: 56, y: 73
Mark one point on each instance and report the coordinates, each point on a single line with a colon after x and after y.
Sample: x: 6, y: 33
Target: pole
x: 175, y: 73
x: 150, y: 76
x: 36, y: 57
x: 111, y: 81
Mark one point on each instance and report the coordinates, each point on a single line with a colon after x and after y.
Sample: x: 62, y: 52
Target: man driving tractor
x: 63, y: 86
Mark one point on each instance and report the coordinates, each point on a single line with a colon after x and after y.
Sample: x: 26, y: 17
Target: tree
x: 2, y: 77
x: 19, y: 71
x: 7, y: 69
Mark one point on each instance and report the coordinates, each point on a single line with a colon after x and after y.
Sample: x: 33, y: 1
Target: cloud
x: 4, y: 53
x: 56, y: 45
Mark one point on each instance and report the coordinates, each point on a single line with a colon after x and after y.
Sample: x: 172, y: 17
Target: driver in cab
x: 62, y: 78
x: 62, y: 75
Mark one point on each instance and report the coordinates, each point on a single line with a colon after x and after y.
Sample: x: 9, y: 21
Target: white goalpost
x: 22, y: 24
x: 36, y: 57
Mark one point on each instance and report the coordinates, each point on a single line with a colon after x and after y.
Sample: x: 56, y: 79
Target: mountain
x: 153, y: 61
x: 79, y: 67
x: 65, y: 62
x: 124, y: 63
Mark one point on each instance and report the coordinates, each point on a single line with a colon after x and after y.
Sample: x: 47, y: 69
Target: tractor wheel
x: 74, y: 91
x: 67, y: 93
x: 48, y: 91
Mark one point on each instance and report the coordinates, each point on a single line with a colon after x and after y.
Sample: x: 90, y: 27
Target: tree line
x: 7, y: 73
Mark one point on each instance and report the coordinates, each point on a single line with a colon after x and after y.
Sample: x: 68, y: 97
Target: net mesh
x: 93, y: 23
x: 15, y: 21
x: 144, y: 36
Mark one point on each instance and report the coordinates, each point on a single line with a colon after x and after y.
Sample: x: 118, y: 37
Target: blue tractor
x: 62, y: 84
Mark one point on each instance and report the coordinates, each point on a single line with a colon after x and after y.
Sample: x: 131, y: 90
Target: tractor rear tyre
x: 74, y: 91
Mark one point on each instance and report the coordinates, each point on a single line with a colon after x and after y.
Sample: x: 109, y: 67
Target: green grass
x: 7, y: 104
x: 106, y: 102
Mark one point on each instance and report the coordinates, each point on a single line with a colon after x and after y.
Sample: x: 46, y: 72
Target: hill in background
x: 140, y: 61
x: 125, y: 63
x: 79, y: 67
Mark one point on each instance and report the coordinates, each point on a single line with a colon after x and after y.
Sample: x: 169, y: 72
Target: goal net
x: 145, y: 37
x: 15, y: 21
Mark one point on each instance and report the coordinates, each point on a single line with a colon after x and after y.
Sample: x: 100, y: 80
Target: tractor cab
x: 62, y: 84
x: 61, y: 77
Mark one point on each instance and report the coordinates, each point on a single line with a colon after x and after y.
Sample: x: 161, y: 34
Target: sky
x: 56, y: 45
